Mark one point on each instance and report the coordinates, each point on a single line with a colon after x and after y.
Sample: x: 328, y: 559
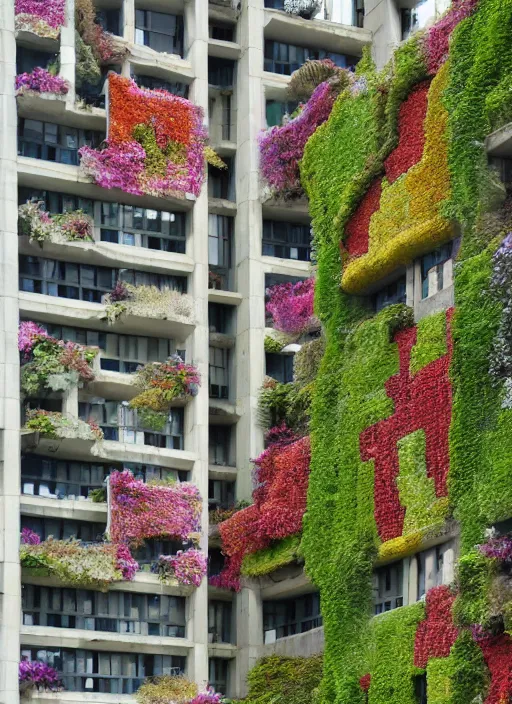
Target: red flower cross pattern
x: 422, y: 402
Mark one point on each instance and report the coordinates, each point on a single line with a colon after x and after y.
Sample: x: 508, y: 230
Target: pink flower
x: 28, y: 537
x: 291, y: 306
x: 28, y: 335
x: 50, y: 11
x: 41, y: 81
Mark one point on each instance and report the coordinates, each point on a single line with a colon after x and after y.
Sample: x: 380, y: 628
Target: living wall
x: 411, y: 423
x: 155, y: 145
x: 284, y: 680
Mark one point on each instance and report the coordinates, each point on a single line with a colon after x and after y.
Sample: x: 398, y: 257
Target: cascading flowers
x: 51, y: 364
x: 291, y: 307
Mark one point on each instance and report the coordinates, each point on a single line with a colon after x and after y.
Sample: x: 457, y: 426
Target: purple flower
x: 499, y: 548
x: 50, y: 11
x: 41, y: 81
x: 28, y: 537
x: 39, y: 674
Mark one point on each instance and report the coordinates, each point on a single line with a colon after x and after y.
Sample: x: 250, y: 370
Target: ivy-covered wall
x: 411, y: 428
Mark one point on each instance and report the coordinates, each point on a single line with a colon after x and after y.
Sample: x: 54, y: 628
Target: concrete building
x: 224, y: 249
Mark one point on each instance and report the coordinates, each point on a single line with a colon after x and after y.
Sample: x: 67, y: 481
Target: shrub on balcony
x: 51, y: 364
x: 155, y: 145
x: 291, y: 307
x: 34, y: 674
x: 140, y: 511
x: 40, y: 226
x: 148, y: 302
x: 42, y: 17
x: 161, y: 383
x: 54, y: 425
x: 40, y: 81
x: 174, y: 689
x: 77, y: 564
x: 186, y: 567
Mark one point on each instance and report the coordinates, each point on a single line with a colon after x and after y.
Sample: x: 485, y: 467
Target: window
x: 420, y: 689
x: 160, y: 31
x: 221, y: 494
x: 275, y: 4
x: 216, y: 561
x: 29, y: 59
x: 219, y: 372
x: 143, y: 227
x: 279, y: 367
x: 419, y: 16
x: 153, y: 83
x: 219, y: 317
x: 220, y: 181
x: 277, y: 109
x: 287, y: 58
x: 430, y: 562
x: 220, y: 232
x: 224, y: 32
x: 395, y: 292
x: 226, y: 117
x: 219, y: 622
x: 56, y: 202
x: 358, y: 19
x: 51, y: 142
x: 64, y: 528
x: 219, y: 445
x: 286, y: 240
x: 286, y: 617
x: 121, y: 423
x: 119, y: 353
x: 84, y: 282
x: 115, y: 612
x: 434, y: 270
x: 388, y: 587
x: 220, y: 72
x: 93, y: 94
x: 104, y: 672
x: 109, y: 20
x: 218, y: 674
x: 61, y: 479
x: 150, y: 551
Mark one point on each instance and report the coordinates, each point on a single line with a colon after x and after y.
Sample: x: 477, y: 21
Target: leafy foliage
x: 284, y: 680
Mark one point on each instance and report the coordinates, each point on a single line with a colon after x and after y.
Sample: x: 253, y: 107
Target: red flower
x: 497, y: 653
x: 357, y: 228
x: 436, y: 634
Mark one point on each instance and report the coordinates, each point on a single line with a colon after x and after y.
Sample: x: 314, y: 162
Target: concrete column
x: 430, y: 569
x: 196, y: 22
x: 129, y: 20
x: 70, y: 403
x: 448, y: 566
x: 413, y: 580
x: 67, y: 50
x: 383, y: 19
x: 249, y: 618
x: 10, y: 590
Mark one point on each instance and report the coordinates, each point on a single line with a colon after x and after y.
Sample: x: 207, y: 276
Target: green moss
x: 417, y: 491
x: 430, y: 341
x: 277, y: 555
x: 392, y: 656
x: 273, y: 345
x: 283, y: 680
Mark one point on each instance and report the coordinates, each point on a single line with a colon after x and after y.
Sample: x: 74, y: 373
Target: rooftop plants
x: 140, y: 511
x: 40, y: 81
x: 43, y: 17
x: 77, y: 564
x: 155, y: 143
x: 160, y: 384
x: 291, y: 307
x: 147, y: 302
x: 55, y: 425
x: 50, y: 364
x: 41, y: 227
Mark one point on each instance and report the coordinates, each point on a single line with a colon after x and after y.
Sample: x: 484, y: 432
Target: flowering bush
x: 74, y: 563
x: 167, y: 689
x: 499, y: 548
x: 281, y: 148
x: 281, y: 482
x: 50, y: 363
x: 54, y: 425
x: 291, y: 307
x: 43, y: 17
x: 187, y: 567
x: 139, y: 511
x: 161, y: 383
x: 40, y: 226
x: 39, y: 675
x: 41, y: 81
x: 208, y: 697
x: 148, y: 302
x: 155, y: 143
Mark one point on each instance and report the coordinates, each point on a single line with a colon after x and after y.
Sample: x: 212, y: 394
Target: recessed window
x: 275, y: 110
x: 51, y: 142
x: 220, y: 235
x: 221, y: 31
x: 219, y: 373
x: 287, y: 617
x: 219, y: 317
x: 358, y: 11
x: 220, y: 72
x: 286, y: 240
x: 420, y: 14
x: 279, y: 367
x: 152, y: 83
x: 219, y: 622
x: 64, y: 528
x: 29, y: 59
x: 159, y: 31
x: 221, y: 493
x: 219, y: 440
x: 218, y: 674
x: 220, y: 181
x: 110, y: 20
x: 420, y: 689
x: 392, y: 293
x: 286, y: 58
x: 436, y: 270
x: 388, y: 588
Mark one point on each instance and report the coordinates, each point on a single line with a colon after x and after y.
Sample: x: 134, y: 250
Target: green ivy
x: 392, y: 656
x: 468, y: 671
x: 277, y: 555
x: 273, y: 345
x: 430, y: 341
x: 284, y: 680
x: 475, y: 575
x: 439, y: 680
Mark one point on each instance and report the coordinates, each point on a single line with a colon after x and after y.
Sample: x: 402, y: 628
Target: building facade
x: 208, y: 252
